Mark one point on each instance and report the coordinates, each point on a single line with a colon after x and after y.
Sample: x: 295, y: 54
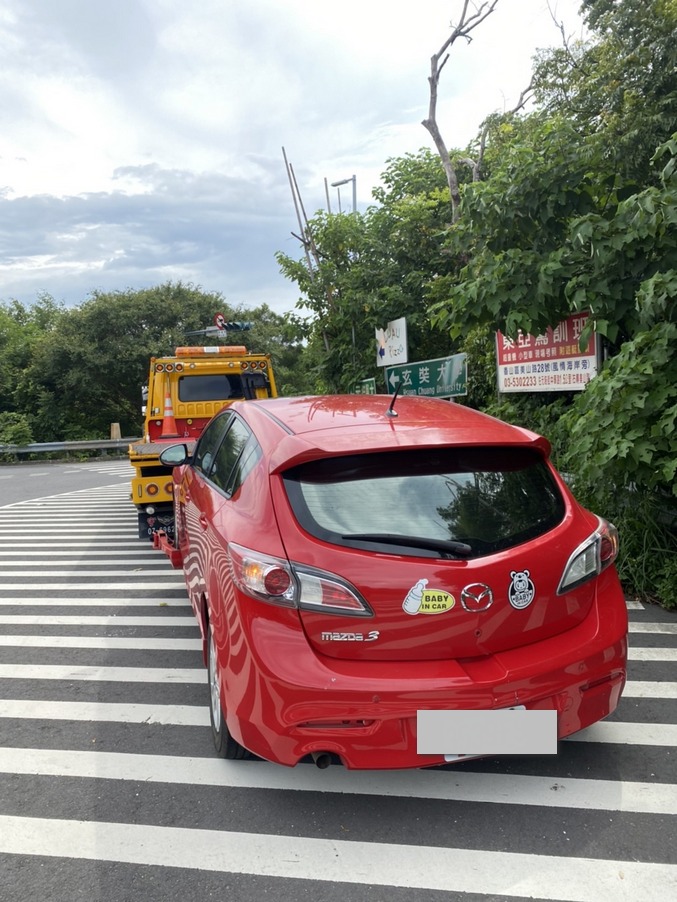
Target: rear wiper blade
x: 444, y: 546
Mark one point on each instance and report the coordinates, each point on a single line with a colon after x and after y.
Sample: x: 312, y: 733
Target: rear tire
x: 225, y: 745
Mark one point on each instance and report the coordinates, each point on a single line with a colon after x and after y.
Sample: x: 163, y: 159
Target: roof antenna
x: 391, y: 412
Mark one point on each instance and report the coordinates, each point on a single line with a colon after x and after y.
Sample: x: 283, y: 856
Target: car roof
x: 311, y: 427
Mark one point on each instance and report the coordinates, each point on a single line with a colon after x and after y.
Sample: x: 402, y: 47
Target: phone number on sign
x: 519, y: 381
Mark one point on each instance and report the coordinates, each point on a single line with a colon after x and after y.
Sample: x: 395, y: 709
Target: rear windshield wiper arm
x: 444, y: 546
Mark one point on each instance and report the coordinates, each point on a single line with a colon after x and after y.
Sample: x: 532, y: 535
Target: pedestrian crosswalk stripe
x: 83, y: 571
x: 94, y: 620
x: 171, y: 579
x: 101, y: 674
x: 650, y: 689
x: 107, y: 642
x: 652, y: 654
x: 505, y: 874
x: 660, y: 734
x: 664, y: 628
x: 93, y: 601
x: 458, y: 785
x: 107, y: 712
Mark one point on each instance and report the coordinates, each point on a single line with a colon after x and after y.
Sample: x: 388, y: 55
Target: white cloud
x: 141, y: 140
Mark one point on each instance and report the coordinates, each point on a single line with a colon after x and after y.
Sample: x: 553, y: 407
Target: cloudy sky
x: 141, y: 140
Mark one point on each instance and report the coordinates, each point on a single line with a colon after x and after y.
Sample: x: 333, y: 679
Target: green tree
x: 24, y: 334
x: 578, y: 213
x: 367, y: 269
x: 14, y: 430
x: 87, y: 371
x: 90, y: 373
x: 621, y: 87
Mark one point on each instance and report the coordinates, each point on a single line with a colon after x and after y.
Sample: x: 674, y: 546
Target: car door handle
x: 203, y: 521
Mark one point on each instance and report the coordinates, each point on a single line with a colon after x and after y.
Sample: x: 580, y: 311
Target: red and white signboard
x: 549, y: 362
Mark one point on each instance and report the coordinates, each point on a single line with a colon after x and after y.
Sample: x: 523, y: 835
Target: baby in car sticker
x: 421, y: 599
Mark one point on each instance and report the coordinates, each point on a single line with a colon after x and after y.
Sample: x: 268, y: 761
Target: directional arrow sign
x: 444, y: 377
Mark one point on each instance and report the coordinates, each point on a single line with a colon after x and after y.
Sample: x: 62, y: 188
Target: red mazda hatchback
x: 393, y: 585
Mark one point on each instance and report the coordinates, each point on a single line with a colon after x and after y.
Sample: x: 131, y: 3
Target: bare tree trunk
x: 467, y: 23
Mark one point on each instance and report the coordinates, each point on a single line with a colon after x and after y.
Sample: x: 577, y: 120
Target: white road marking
x: 457, y: 785
x: 66, y: 521
x: 663, y: 734
x: 82, y: 571
x: 105, y: 642
x: 652, y: 654
x: 633, y: 604
x: 108, y: 712
x: 93, y: 601
x: 505, y: 874
x: 665, y: 628
x: 649, y: 689
x: 101, y: 674
x: 103, y: 542
x: 93, y: 620
x: 84, y: 532
x: 20, y: 556
x: 174, y: 580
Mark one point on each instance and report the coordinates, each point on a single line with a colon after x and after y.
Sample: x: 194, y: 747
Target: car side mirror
x: 175, y: 455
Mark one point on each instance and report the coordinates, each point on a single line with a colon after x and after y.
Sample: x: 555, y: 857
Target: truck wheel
x: 224, y: 743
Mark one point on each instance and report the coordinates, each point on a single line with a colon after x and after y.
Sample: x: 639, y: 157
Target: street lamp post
x: 338, y: 184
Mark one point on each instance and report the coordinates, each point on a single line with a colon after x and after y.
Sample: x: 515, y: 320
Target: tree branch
x: 467, y: 23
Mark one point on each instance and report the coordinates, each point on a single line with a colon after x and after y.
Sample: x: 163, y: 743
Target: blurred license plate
x: 506, y: 731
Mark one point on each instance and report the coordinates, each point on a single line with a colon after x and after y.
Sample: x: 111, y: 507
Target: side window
x: 235, y: 458
x: 209, y: 442
x: 244, y: 465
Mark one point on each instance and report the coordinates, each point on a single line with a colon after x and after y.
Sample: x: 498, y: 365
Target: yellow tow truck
x: 184, y: 392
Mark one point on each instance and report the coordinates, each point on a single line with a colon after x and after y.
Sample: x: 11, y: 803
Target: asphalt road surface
x: 110, y: 790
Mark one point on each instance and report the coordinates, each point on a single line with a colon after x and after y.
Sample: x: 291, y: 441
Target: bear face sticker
x: 522, y: 590
x: 421, y: 600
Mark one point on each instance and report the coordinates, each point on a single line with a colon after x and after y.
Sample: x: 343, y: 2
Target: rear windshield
x: 485, y: 499
x: 211, y: 387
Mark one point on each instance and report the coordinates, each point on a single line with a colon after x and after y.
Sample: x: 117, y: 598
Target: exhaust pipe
x: 321, y: 759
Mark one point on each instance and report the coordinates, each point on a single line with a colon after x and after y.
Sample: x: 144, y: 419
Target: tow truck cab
x: 183, y: 394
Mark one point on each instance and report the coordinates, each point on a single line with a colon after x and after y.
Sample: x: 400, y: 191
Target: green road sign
x: 365, y: 387
x: 444, y: 377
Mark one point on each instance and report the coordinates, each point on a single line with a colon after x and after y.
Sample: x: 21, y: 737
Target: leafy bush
x: 623, y: 455
x: 14, y: 430
x: 624, y: 426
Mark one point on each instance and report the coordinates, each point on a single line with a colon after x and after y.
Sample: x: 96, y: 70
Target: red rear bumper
x: 285, y: 702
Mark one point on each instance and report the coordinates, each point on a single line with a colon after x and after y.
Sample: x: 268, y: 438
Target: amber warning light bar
x: 223, y: 350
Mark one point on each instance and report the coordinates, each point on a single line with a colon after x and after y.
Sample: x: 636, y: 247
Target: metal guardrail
x: 113, y: 444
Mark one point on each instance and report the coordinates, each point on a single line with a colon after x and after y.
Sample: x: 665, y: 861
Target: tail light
x: 597, y: 553
x: 276, y: 581
x: 321, y: 591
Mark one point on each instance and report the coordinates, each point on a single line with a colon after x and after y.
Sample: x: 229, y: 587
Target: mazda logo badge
x: 477, y: 597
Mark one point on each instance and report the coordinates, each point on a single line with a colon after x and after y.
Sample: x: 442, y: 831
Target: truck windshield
x: 211, y: 387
